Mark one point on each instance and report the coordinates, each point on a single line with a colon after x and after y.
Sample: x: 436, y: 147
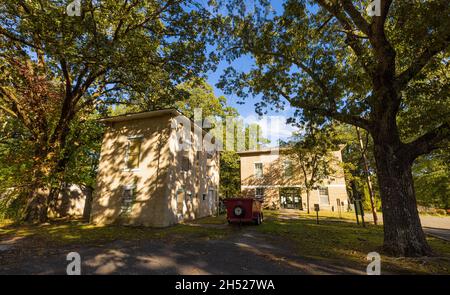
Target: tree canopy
x: 57, y: 69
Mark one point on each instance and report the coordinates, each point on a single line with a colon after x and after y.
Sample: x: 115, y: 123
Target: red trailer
x: 244, y: 210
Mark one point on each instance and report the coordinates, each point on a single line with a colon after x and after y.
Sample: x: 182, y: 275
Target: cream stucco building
x: 274, y: 177
x: 154, y: 173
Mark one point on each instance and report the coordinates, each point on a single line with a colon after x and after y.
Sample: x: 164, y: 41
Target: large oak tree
x: 56, y: 67
x: 331, y: 59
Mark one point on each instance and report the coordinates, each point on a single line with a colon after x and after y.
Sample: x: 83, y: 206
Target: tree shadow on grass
x: 348, y: 244
x: 288, y: 246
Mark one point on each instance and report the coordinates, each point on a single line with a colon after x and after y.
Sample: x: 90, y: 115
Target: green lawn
x: 63, y: 232
x: 339, y: 241
x: 342, y: 241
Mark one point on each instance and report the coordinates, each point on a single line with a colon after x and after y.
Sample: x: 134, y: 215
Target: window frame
x: 260, y: 196
x: 255, y: 169
x: 209, y: 171
x: 285, y: 167
x: 189, y: 164
x: 126, y: 209
x: 130, y: 139
x: 321, y: 195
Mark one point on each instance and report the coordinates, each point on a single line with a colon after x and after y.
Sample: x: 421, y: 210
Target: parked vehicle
x: 244, y: 210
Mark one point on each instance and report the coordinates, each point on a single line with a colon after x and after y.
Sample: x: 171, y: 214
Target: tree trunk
x: 308, y: 193
x: 41, y: 194
x: 403, y: 234
x: 52, y: 200
x: 36, y: 206
x: 49, y: 166
x: 88, y: 191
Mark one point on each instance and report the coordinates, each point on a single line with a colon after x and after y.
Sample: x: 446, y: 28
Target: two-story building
x: 145, y: 178
x: 274, y: 177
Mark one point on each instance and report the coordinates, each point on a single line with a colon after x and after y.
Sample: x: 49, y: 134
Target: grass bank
x: 341, y: 240
x: 76, y: 232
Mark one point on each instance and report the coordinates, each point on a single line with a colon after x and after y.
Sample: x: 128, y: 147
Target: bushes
x: 11, y: 203
x: 431, y: 210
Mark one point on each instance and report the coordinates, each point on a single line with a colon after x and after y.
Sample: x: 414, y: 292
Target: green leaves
x: 57, y: 69
x: 199, y: 94
x: 432, y: 179
x: 312, y: 150
x: 230, y: 176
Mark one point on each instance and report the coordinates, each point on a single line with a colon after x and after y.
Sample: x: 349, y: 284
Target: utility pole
x: 369, y: 182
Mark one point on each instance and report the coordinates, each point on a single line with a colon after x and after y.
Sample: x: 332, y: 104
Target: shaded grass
x: 334, y: 240
x: 221, y: 219
x: 5, y: 222
x: 61, y: 233
x: 342, y: 241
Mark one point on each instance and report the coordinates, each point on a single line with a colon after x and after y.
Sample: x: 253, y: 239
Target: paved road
x: 435, y: 226
x: 432, y: 225
x: 247, y: 252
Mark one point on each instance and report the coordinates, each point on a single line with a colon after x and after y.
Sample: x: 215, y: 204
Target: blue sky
x: 277, y: 126
x: 273, y: 125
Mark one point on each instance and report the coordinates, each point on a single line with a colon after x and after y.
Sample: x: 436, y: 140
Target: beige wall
x: 271, y: 196
x: 150, y: 180
x: 196, y: 183
x: 157, y: 180
x: 73, y: 200
x: 273, y: 179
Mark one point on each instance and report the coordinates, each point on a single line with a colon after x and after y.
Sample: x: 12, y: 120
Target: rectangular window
x: 185, y: 164
x: 211, y: 199
x: 323, y: 191
x: 209, y: 171
x: 180, y: 201
x: 133, y: 153
x: 258, y: 170
x: 323, y: 196
x: 127, y: 199
x: 259, y: 193
x: 288, y: 168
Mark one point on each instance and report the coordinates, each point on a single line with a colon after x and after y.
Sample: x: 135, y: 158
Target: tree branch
x: 68, y: 81
x: 353, y: 39
x: 80, y: 78
x: 15, y: 38
x: 346, y: 118
x: 154, y: 15
x: 377, y: 25
x: 429, y: 141
x: 356, y: 16
x: 8, y: 96
x: 403, y: 78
